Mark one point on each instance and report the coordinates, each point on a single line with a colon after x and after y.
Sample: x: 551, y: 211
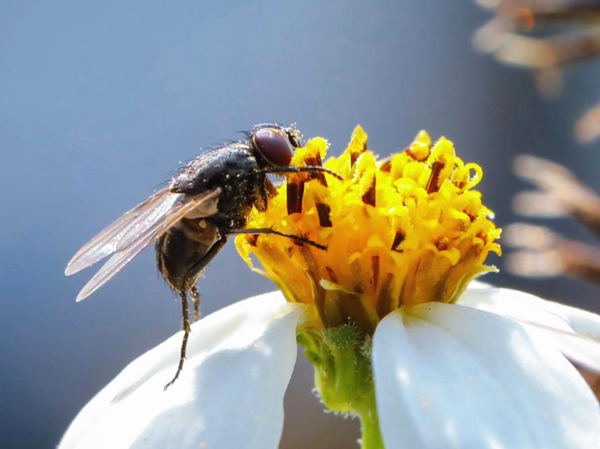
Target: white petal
x: 448, y: 376
x: 229, y: 395
x: 575, y: 332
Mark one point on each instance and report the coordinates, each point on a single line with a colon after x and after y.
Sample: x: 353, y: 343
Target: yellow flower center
x: 399, y: 232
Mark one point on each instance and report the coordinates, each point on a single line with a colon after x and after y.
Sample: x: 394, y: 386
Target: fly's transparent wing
x: 142, y: 233
x: 116, y: 236
x: 112, y: 267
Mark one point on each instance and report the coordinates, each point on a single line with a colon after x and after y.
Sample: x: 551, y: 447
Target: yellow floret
x: 402, y: 231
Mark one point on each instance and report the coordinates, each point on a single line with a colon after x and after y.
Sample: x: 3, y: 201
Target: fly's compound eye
x: 274, y: 145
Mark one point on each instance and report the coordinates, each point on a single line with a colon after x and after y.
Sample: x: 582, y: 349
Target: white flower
x: 446, y: 376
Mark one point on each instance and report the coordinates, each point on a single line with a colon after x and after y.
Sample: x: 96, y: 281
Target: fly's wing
x: 114, y: 237
x: 141, y: 233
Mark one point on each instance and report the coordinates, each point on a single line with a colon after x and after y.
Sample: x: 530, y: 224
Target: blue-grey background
x: 100, y: 100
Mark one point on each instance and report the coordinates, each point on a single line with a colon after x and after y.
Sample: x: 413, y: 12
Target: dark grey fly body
x: 190, y: 219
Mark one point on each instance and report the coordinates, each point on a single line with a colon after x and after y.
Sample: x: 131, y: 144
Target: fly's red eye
x: 274, y: 146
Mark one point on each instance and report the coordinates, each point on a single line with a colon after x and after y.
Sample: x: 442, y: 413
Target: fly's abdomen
x: 185, y: 250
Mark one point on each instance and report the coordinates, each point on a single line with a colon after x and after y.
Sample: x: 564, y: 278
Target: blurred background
x: 99, y: 101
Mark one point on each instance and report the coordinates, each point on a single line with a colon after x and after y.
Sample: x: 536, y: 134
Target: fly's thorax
x: 215, y: 167
x: 238, y: 197
x: 234, y: 170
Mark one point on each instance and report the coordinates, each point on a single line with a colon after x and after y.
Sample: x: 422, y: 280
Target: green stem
x: 343, y: 376
x: 371, y: 435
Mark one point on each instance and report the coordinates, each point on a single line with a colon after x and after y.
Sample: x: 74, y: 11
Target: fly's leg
x: 196, y: 298
x: 186, y: 334
x: 307, y: 169
x: 258, y: 231
x: 193, y: 273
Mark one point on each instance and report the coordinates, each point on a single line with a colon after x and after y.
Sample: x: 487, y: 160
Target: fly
x: 190, y: 219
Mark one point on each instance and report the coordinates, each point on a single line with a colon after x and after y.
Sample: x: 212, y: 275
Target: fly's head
x: 275, y: 143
